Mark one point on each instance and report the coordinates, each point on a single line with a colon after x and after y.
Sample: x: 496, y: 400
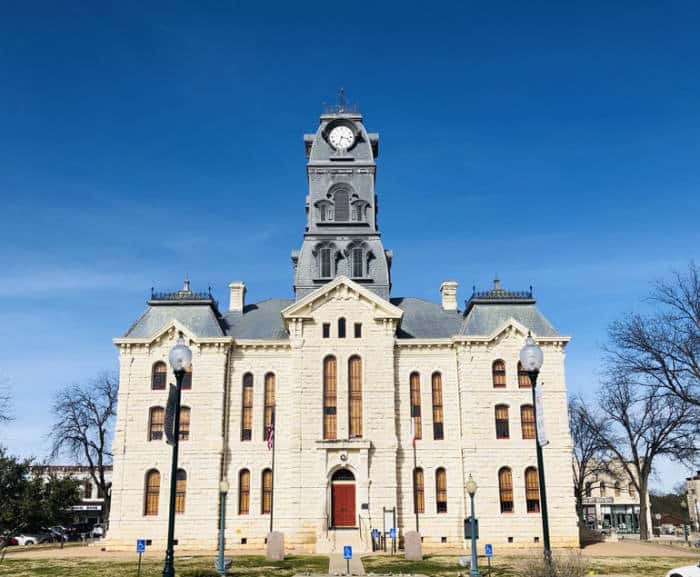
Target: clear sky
x: 139, y: 142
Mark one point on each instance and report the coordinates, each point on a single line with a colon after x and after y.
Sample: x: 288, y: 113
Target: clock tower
x: 341, y: 235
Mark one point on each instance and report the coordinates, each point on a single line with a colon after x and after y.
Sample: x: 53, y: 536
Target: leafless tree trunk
x: 663, y: 348
x: 643, y: 423
x: 83, y: 427
x: 5, y: 402
x: 590, y: 459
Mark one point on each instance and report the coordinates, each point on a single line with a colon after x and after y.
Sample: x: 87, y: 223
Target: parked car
x: 8, y: 541
x: 98, y: 531
x: 58, y: 533
x: 688, y: 571
x: 32, y: 538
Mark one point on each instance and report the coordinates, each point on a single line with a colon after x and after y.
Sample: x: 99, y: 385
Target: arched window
x: 441, y: 490
x: 247, y: 408
x: 180, y: 490
x: 355, y: 396
x: 269, y: 404
x: 150, y: 506
x: 341, y: 328
x: 588, y: 489
x: 244, y: 492
x: 187, y: 379
x: 325, y: 262
x: 524, y: 381
x: 185, y: 423
x: 418, y: 491
x: 414, y: 381
x: 527, y: 421
x: 505, y: 489
x: 266, y: 492
x: 502, y: 428
x: 438, y: 432
x: 330, y: 393
x: 358, y: 266
x: 159, y: 376
x: 603, y: 489
x: 342, y: 205
x: 532, y: 490
x: 156, y: 420
x: 498, y: 371
x: 617, y: 488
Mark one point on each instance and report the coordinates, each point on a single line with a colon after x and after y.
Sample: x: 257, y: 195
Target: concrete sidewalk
x: 339, y: 566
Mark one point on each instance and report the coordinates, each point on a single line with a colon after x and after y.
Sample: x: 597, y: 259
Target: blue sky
x: 556, y: 146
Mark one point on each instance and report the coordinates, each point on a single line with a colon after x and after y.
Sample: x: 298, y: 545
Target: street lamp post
x: 531, y: 359
x: 221, y: 564
x: 686, y: 520
x: 180, y: 359
x: 471, y: 489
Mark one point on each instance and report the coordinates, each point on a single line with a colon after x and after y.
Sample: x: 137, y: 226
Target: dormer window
x: 357, y: 264
x: 325, y: 262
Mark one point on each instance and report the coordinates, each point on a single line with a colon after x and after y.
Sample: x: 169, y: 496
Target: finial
x: 341, y: 99
x: 186, y: 285
x: 496, y: 283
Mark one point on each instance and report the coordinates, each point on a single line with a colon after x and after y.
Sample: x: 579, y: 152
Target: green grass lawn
x: 447, y: 566
x: 244, y: 566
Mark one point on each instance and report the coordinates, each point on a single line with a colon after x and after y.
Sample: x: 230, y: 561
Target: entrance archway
x: 343, y: 499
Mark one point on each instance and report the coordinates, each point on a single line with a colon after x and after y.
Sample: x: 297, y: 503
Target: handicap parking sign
x: 140, y: 545
x: 489, y: 550
x: 347, y: 552
x: 375, y: 533
x: 392, y: 533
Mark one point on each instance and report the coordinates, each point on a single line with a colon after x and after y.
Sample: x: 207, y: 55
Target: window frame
x: 502, y: 422
x: 269, y: 402
x: 157, y: 375
x: 438, y: 408
x: 247, y: 393
x: 244, y: 492
x: 355, y: 397
x: 180, y: 491
x: 185, y: 423
x: 499, y: 374
x: 418, y: 490
x: 528, y: 426
x: 266, y: 488
x: 505, y: 490
x: 414, y: 389
x: 151, y: 501
x: 342, y: 328
x: 330, y: 398
x: 524, y: 381
x: 441, y: 490
x: 156, y: 429
x: 532, y: 490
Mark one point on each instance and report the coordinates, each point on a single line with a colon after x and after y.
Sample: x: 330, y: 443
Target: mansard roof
x: 261, y: 320
x: 200, y: 320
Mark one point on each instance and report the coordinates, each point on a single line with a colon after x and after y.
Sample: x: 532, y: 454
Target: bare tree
x: 664, y: 348
x: 643, y: 423
x: 590, y: 456
x: 83, y: 426
x: 5, y: 402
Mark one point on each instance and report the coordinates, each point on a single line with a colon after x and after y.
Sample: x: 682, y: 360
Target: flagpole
x: 272, y: 493
x: 415, y: 466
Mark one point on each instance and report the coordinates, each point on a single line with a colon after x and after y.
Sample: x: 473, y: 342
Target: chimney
x: 448, y: 291
x: 237, y: 292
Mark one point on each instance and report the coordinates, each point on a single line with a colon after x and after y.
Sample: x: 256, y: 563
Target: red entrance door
x: 343, y: 501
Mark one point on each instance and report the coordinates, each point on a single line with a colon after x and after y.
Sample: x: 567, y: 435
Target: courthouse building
x: 344, y: 367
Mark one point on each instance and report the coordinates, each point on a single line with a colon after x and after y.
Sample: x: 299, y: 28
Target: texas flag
x: 270, y: 438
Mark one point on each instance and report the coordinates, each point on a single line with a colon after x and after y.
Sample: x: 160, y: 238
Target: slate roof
x: 200, y: 319
x: 261, y: 320
x: 484, y: 319
x: 425, y: 319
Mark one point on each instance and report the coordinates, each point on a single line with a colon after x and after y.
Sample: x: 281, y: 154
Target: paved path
x: 635, y: 548
x: 339, y: 566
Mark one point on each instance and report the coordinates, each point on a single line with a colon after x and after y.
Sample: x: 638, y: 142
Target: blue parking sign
x: 392, y: 533
x: 347, y: 552
x: 488, y: 550
x: 140, y: 545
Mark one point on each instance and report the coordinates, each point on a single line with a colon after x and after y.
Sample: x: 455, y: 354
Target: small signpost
x: 392, y: 536
x: 140, y: 549
x: 347, y: 555
x: 488, y: 551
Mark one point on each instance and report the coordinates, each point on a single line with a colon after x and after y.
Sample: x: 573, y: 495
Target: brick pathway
x: 339, y: 566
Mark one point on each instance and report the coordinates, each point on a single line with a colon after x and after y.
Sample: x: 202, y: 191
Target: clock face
x: 341, y: 137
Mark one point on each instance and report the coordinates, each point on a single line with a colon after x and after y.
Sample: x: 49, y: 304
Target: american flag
x: 270, y: 438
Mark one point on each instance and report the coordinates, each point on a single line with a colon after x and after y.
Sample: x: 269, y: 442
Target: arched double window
x: 502, y: 426
x: 156, y: 421
x: 180, y: 490
x: 152, y: 492
x: 498, y: 372
x: 505, y: 489
x: 159, y: 376
x: 524, y: 381
x: 330, y: 398
x: 247, y: 408
x: 436, y: 381
x: 441, y: 490
x: 532, y: 490
x: 269, y: 404
x: 527, y: 421
x: 418, y: 491
x: 266, y: 505
x: 414, y: 382
x: 244, y: 492
x: 355, y: 396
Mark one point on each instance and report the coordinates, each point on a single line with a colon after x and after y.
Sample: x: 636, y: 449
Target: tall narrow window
x: 441, y: 490
x: 247, y: 408
x: 438, y: 432
x: 156, y: 419
x: 505, y: 489
x: 187, y: 379
x: 498, y: 370
x: 269, y: 410
x: 342, y: 205
x: 532, y: 490
x: 418, y: 491
x: 185, y: 423
x: 527, y: 421
x: 159, y: 376
x: 414, y: 381
x: 357, y: 264
x: 150, y: 506
x: 330, y: 393
x: 180, y: 490
x: 341, y: 328
x: 326, y: 331
x: 502, y: 428
x: 358, y: 330
x: 524, y: 381
x: 87, y: 490
x: 244, y: 492
x: 355, y: 396
x: 266, y: 492
x: 325, y: 262
x: 358, y: 212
